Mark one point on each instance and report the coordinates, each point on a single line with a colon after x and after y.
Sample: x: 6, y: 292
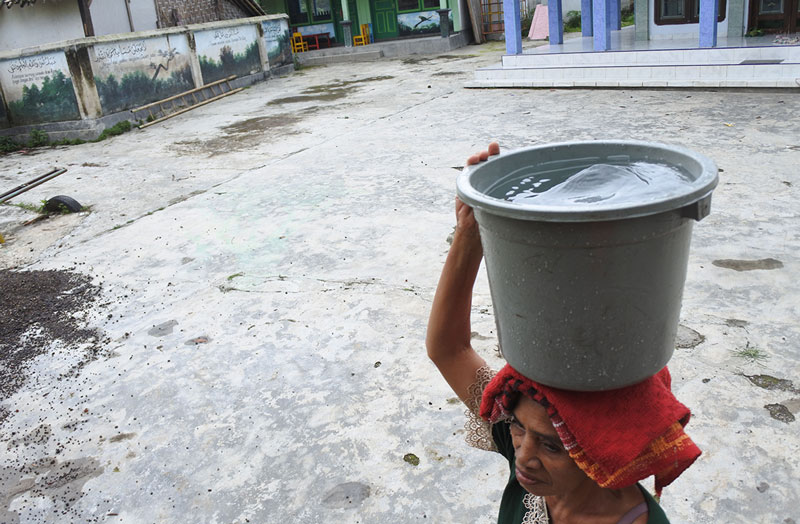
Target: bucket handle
x: 698, y: 210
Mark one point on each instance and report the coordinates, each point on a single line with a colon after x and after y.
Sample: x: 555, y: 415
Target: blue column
x: 586, y: 18
x: 555, y: 21
x: 709, y: 11
x: 513, y: 27
x: 600, y: 24
x: 616, y: 21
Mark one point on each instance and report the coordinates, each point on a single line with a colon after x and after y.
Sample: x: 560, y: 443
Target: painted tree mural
x: 52, y: 102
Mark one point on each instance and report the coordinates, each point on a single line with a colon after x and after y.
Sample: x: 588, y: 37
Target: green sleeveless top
x: 512, y: 511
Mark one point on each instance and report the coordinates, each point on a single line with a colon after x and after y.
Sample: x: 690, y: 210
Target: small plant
x: 7, y: 145
x: 755, y: 32
x: 38, y: 138
x: 751, y: 353
x: 572, y: 22
x: 115, y: 130
x: 627, y: 17
x: 27, y: 206
x: 526, y: 22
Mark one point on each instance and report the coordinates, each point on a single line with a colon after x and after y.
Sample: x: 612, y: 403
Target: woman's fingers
x: 493, y: 149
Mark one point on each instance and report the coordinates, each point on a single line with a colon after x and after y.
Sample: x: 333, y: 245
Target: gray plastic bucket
x: 587, y: 300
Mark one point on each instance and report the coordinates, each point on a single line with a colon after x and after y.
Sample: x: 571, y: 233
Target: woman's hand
x: 448, y: 337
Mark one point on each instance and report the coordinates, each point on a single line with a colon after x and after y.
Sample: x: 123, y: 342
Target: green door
x: 384, y: 19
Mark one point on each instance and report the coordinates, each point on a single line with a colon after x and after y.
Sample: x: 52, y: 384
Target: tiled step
x: 748, y: 75
x: 661, y: 57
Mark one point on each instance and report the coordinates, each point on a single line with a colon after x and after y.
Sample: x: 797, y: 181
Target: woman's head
x: 543, y: 465
x: 616, y: 438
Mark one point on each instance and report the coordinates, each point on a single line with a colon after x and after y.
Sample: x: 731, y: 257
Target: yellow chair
x: 298, y: 44
x: 363, y: 38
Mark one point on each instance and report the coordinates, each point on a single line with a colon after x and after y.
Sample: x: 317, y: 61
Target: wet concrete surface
x: 297, y: 244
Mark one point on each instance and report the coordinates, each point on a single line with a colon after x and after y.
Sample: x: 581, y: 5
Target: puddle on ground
x: 347, y: 494
x: 449, y: 73
x: 121, y: 437
x: 330, y: 96
x: 339, y: 84
x: 772, y: 383
x: 246, y: 134
x: 748, y: 265
x: 418, y: 59
x: 687, y: 338
x: 780, y: 412
x: 162, y: 329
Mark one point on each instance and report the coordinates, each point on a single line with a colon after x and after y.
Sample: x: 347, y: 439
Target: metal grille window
x: 417, y: 5
x: 684, y: 11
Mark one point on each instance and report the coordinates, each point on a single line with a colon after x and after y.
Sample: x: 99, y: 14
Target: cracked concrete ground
x: 267, y: 264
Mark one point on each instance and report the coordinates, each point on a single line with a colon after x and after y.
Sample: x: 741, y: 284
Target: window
x: 682, y: 11
x: 309, y: 11
x: 417, y: 5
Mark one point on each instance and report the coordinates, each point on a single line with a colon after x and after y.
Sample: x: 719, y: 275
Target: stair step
x: 669, y: 57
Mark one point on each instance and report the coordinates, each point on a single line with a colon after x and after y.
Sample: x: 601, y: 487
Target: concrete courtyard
x: 267, y: 264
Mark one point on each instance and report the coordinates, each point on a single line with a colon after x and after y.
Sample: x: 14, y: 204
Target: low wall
x: 75, y: 88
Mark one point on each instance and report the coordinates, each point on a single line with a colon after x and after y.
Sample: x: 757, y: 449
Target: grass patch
x: 39, y: 138
x: 115, y: 130
x: 751, y: 353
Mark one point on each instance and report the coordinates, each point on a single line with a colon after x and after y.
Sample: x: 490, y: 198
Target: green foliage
x: 54, y: 101
x: 7, y: 145
x: 755, y: 32
x: 751, y: 353
x: 38, y: 138
x: 137, y: 88
x: 33, y: 208
x: 115, y: 130
x: 230, y: 63
x: 572, y: 23
x: 525, y: 24
x: 627, y: 17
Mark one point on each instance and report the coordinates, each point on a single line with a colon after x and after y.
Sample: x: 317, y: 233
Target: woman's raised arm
x: 448, y: 337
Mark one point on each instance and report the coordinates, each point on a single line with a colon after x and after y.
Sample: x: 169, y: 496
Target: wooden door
x: 384, y: 19
x: 775, y: 16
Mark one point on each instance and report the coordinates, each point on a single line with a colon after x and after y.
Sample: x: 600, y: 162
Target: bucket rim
x: 697, y: 191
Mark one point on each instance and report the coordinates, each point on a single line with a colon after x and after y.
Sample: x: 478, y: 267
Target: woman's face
x: 543, y: 466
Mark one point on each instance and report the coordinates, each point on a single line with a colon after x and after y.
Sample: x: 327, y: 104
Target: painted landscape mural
x: 3, y: 119
x: 277, y: 38
x: 421, y: 23
x: 228, y: 51
x: 132, y: 73
x: 38, y: 89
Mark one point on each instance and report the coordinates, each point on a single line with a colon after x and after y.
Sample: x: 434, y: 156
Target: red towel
x: 616, y: 437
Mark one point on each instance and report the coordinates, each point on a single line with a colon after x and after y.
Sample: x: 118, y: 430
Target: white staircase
x: 762, y: 67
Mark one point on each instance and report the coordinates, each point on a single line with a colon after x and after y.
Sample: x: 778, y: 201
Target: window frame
x: 310, y: 20
x: 689, y: 7
x: 420, y: 5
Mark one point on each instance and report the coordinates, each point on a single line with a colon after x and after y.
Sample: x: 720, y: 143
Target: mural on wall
x: 3, y: 119
x: 228, y: 51
x: 132, y: 73
x: 317, y: 29
x: 38, y: 89
x: 421, y: 23
x: 277, y: 38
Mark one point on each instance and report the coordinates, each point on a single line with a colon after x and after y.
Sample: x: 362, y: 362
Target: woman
x: 574, y: 457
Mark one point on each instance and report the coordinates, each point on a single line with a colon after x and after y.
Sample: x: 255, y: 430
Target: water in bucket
x: 604, y: 183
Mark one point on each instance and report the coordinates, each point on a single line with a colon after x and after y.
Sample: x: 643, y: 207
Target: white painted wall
x: 569, y: 5
x: 679, y: 31
x: 144, y: 14
x: 41, y: 23
x: 110, y: 17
